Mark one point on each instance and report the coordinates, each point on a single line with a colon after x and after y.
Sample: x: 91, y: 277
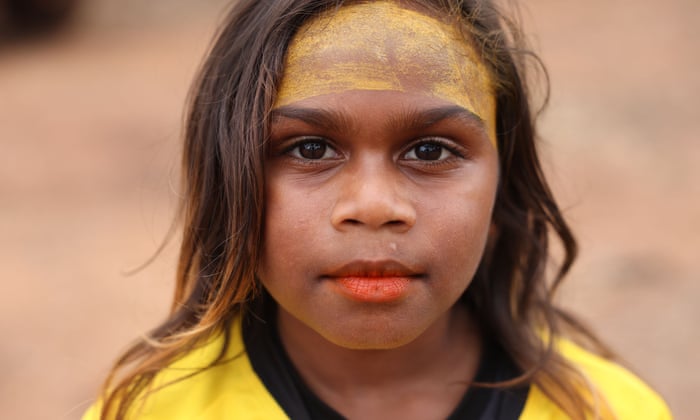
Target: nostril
x: 373, y: 208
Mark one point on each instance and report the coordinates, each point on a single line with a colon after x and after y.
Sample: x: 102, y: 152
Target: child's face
x: 381, y: 176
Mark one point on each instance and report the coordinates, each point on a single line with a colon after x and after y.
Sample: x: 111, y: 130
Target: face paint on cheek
x: 382, y: 46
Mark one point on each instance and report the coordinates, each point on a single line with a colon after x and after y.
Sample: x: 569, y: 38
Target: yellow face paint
x: 382, y: 46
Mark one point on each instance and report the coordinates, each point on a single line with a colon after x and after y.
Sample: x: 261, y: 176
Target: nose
x: 373, y: 196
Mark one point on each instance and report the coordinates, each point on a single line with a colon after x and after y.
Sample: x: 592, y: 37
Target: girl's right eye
x: 312, y: 149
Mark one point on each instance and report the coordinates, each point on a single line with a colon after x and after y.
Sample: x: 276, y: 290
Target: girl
x: 366, y: 231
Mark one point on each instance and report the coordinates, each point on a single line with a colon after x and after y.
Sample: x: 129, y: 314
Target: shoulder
x: 626, y: 395
x: 229, y: 389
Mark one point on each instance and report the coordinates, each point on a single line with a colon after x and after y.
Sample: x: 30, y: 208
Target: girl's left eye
x: 429, y: 151
x: 312, y: 149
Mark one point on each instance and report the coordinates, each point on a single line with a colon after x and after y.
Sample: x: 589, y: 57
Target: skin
x: 389, y: 187
x: 375, y: 50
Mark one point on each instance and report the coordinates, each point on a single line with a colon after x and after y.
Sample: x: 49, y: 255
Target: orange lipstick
x: 373, y: 289
x: 374, y: 281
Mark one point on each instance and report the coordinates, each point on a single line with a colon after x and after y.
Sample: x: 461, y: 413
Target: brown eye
x: 428, y: 151
x: 313, y: 149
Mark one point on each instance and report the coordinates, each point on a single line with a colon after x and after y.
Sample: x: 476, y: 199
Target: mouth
x: 373, y: 281
x: 374, y: 269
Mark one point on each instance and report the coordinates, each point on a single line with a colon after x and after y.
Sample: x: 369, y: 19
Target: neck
x: 443, y: 359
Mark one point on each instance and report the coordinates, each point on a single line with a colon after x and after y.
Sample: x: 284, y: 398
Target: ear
x: 491, y: 241
x: 493, y: 230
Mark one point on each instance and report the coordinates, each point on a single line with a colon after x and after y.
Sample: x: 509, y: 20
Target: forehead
x: 384, y: 46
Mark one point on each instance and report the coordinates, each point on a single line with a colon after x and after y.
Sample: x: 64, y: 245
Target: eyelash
x: 452, y: 149
x: 289, y: 151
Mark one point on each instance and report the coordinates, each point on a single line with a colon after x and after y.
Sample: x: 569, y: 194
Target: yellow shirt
x: 232, y: 390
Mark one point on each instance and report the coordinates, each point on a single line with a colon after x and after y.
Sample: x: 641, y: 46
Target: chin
x: 380, y: 336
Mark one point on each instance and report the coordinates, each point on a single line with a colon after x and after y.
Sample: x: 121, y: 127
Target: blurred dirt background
x: 90, y: 122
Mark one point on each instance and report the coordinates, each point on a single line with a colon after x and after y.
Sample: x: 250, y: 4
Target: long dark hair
x: 222, y: 211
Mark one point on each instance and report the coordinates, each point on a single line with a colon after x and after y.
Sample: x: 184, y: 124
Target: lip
x: 373, y: 281
x: 374, y: 269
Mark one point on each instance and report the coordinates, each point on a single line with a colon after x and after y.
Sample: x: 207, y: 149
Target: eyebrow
x: 333, y: 120
x: 416, y: 119
x: 408, y: 119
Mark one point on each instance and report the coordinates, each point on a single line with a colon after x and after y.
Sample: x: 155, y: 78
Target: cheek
x: 461, y: 242
x: 461, y: 230
x: 291, y: 228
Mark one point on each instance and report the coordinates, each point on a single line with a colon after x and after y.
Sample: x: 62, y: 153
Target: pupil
x: 428, y: 151
x: 313, y: 150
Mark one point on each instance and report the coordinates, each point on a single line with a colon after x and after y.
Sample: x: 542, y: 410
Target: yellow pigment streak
x: 382, y: 46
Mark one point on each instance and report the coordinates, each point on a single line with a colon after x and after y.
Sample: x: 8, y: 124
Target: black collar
x: 272, y: 364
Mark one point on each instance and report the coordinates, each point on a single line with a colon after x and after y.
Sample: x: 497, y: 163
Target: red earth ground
x: 90, y: 129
